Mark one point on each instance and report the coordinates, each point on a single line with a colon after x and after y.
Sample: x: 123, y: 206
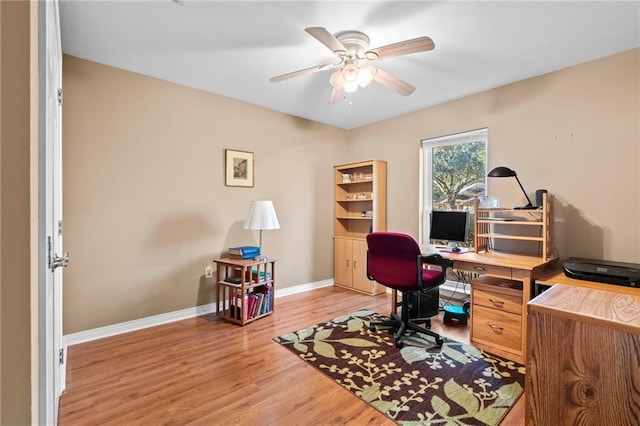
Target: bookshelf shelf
x: 245, y: 290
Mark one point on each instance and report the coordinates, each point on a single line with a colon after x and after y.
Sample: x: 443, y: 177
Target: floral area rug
x: 420, y: 384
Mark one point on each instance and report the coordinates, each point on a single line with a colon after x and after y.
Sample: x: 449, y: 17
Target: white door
x: 54, y: 376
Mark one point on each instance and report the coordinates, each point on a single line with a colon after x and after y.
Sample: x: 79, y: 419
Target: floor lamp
x: 262, y: 215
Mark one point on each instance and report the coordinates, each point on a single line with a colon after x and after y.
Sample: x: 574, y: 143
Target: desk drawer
x: 499, y: 301
x: 480, y: 268
x: 496, y: 328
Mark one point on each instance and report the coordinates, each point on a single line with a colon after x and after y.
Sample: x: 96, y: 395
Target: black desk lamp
x: 507, y: 172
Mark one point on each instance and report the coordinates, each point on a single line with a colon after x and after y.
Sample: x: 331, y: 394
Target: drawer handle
x: 496, y: 328
x: 479, y: 268
x: 348, y: 263
x: 354, y: 264
x: 498, y: 303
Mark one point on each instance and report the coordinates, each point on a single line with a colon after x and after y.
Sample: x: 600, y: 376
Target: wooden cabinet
x: 532, y: 226
x: 351, y: 266
x: 359, y: 208
x: 496, y: 315
x: 245, y: 289
x: 582, y: 363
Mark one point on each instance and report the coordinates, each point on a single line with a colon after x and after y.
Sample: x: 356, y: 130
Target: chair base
x: 401, y: 326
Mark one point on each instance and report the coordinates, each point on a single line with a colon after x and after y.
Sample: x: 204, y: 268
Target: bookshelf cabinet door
x: 343, y: 262
x: 359, y: 255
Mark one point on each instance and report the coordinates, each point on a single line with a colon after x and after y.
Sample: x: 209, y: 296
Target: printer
x: 603, y: 271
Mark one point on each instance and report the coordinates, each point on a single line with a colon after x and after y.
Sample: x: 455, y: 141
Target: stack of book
x: 244, y: 252
x: 258, y: 302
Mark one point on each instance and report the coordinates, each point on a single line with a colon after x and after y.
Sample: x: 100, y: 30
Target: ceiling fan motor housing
x: 356, y: 43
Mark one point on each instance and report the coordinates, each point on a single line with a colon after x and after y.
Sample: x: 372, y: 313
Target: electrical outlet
x: 208, y: 272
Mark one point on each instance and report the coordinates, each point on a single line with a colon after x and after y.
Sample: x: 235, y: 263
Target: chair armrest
x: 435, y: 259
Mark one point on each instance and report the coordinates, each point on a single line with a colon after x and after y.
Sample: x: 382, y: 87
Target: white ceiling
x: 232, y: 48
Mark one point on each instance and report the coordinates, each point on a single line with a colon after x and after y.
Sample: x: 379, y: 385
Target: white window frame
x: 426, y: 171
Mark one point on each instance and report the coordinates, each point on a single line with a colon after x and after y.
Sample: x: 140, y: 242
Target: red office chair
x: 395, y: 261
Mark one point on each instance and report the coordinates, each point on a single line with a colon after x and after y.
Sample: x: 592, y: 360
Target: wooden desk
x: 525, y: 269
x: 583, y: 365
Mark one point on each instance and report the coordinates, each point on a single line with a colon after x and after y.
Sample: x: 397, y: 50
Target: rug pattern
x: 419, y: 384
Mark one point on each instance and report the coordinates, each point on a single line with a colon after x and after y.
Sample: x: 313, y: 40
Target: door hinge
x: 59, y: 227
x: 60, y: 96
x: 61, y: 356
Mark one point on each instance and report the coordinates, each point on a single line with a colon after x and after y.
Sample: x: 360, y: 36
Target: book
x: 242, y: 256
x: 245, y: 250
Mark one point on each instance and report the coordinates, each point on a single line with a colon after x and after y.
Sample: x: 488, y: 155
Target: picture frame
x: 238, y: 168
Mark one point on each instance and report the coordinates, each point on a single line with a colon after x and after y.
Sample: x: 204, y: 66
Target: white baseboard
x: 152, y: 321
x: 446, y: 290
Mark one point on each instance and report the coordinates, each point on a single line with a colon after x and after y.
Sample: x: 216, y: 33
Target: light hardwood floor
x: 207, y: 371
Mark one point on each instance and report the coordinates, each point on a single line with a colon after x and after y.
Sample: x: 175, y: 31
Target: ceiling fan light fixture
x: 350, y: 86
x: 336, y: 79
x: 350, y: 73
x: 365, y: 75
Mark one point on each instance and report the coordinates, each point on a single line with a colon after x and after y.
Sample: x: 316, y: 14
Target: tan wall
x: 574, y: 132
x: 145, y: 205
x: 15, y: 275
x: 146, y: 208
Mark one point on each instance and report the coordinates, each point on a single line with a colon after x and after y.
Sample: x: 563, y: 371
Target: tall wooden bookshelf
x: 360, y: 208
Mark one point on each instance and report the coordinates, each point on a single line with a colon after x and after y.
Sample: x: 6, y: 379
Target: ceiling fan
x: 351, y: 47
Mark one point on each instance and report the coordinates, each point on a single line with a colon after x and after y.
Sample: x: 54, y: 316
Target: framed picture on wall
x: 238, y: 168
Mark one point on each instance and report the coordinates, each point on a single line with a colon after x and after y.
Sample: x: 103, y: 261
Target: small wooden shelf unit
x: 360, y: 208
x: 487, y: 220
x: 245, y: 289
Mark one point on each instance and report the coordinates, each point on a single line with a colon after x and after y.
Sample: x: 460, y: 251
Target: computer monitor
x: 449, y: 225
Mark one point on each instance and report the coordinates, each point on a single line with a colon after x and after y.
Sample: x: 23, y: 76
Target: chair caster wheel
x: 399, y: 344
x: 439, y: 341
x: 372, y: 327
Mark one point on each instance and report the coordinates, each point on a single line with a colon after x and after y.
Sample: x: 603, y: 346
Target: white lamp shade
x: 262, y: 215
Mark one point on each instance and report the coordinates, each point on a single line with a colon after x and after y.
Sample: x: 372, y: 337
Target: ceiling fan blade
x: 325, y: 37
x: 388, y: 80
x: 336, y: 95
x: 414, y: 45
x: 299, y: 73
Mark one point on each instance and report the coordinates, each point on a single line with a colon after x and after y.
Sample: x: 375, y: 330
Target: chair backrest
x: 393, y: 260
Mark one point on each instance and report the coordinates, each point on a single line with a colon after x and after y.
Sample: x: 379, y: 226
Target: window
x: 453, y: 172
